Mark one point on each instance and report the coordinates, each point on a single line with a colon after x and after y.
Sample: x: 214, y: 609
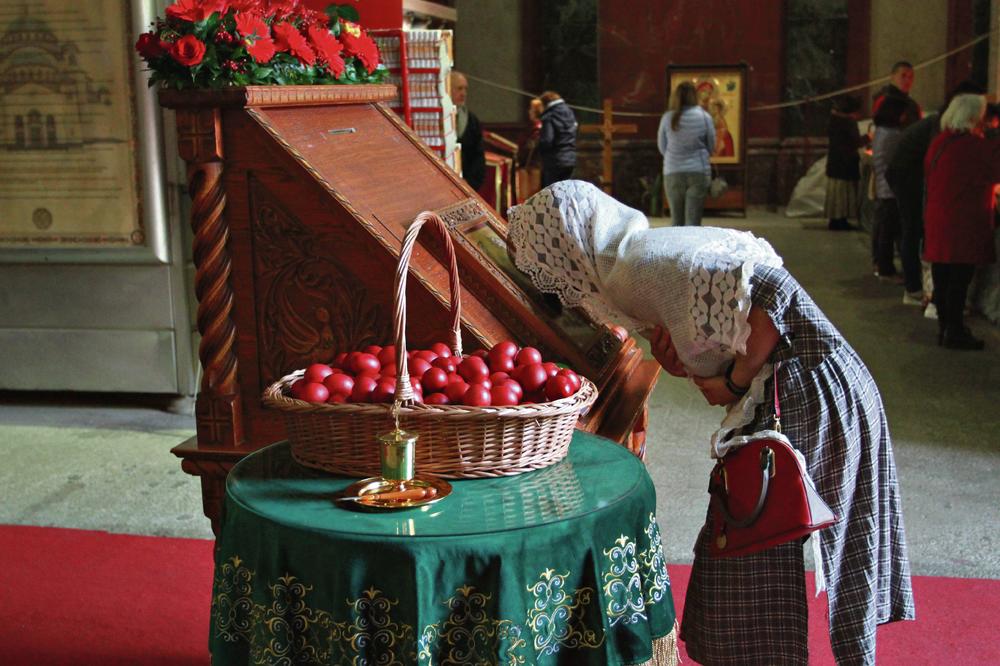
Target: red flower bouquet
x: 219, y: 43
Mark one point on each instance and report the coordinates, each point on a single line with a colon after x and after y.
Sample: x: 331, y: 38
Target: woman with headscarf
x: 721, y: 310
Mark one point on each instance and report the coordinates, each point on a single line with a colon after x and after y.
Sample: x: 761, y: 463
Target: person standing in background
x: 889, y: 122
x: 963, y: 169
x: 905, y: 176
x: 900, y: 83
x: 842, y: 163
x: 557, y: 141
x: 470, y: 133
x: 686, y: 139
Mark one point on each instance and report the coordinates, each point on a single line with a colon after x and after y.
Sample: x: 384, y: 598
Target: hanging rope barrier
x: 762, y: 107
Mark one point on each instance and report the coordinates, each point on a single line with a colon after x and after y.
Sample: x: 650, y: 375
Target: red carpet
x: 80, y: 597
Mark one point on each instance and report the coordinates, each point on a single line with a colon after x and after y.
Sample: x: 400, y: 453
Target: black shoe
x: 963, y: 340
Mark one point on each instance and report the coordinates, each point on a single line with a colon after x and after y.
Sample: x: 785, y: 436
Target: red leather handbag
x: 762, y: 496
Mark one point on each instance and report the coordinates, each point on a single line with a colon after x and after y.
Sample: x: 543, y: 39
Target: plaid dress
x: 752, y: 610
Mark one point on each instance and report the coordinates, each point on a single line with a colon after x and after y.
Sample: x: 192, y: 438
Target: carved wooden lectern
x: 301, y: 197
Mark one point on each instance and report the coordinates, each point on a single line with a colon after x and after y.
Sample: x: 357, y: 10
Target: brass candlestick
x: 397, y: 454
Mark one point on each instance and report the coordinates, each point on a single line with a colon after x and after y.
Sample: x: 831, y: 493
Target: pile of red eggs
x: 504, y: 375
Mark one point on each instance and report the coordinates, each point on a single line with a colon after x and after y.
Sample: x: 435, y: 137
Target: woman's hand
x: 715, y: 391
x: 663, y: 351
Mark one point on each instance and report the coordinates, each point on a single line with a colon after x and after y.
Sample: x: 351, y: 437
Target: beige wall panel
x: 88, y: 360
x: 81, y: 296
x: 900, y: 32
x: 488, y: 45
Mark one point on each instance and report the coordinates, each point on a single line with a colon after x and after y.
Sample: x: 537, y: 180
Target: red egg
x: 533, y: 397
x: 514, y: 386
x: 573, y: 378
x: 384, y: 391
x: 500, y: 362
x: 317, y: 372
x: 315, y: 392
x: 389, y: 370
x: 473, y: 368
x: 337, y: 398
x: 374, y: 350
x: 363, y: 387
x: 446, y: 363
x: 528, y: 356
x: 295, y: 390
x: 435, y: 379
x: 503, y: 394
x: 418, y: 366
x: 427, y: 355
x: 437, y: 399
x: 441, y: 349
x: 482, y: 381
x: 499, y: 377
x: 456, y: 391
x: 362, y: 363
x: 476, y: 395
x: 558, y: 387
x: 480, y: 353
x: 339, y: 383
x: 387, y: 356
x: 506, y: 348
x: 532, y: 377
x: 551, y: 368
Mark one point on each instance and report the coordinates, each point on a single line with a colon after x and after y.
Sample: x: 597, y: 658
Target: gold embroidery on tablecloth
x: 469, y: 635
x: 558, y: 619
x: 623, y: 584
x: 655, y: 579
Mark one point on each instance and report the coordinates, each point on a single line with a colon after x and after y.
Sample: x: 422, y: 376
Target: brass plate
x: 377, y: 484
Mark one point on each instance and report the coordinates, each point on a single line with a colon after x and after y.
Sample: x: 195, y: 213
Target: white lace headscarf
x: 577, y: 242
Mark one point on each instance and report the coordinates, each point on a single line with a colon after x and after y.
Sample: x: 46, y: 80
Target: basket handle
x: 404, y: 391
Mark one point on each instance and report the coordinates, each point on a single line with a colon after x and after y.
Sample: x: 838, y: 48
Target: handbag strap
x: 777, y: 403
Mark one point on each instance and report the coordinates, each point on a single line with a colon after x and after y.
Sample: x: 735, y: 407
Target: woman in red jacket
x: 962, y: 168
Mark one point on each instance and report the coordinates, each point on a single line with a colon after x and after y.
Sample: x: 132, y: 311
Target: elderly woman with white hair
x: 723, y: 312
x: 961, y: 168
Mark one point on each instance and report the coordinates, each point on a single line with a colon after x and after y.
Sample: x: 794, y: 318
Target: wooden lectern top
x: 302, y: 196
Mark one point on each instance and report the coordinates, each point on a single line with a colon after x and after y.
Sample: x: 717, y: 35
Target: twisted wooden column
x: 218, y: 409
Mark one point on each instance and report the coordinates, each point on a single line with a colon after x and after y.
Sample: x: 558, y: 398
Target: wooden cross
x: 608, y: 129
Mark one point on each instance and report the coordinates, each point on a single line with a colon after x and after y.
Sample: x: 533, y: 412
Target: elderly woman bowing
x: 721, y: 310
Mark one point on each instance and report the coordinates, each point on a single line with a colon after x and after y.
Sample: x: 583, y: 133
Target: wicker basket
x: 456, y: 441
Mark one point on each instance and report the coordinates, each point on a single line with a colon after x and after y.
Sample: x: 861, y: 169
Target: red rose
x: 288, y: 38
x: 328, y: 49
x: 149, y: 46
x: 188, y: 50
x: 196, y: 10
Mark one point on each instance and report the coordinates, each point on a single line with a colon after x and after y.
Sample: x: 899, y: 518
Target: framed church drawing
x: 78, y: 135
x: 722, y: 91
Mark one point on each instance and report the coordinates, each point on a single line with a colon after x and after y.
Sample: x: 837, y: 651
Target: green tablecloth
x: 563, y: 565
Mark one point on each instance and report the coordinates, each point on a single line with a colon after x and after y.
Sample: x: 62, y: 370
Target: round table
x: 561, y: 565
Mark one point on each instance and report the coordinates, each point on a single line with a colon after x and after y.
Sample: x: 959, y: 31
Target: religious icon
x: 721, y: 92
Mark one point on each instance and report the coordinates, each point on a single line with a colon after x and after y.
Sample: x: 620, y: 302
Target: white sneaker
x: 913, y: 298
x: 930, y: 311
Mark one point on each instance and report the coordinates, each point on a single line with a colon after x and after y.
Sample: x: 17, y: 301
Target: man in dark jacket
x: 906, y: 178
x: 900, y: 83
x: 557, y: 142
x: 470, y: 134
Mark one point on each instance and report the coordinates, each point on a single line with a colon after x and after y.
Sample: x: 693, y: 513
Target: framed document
x: 722, y: 91
x: 80, y: 172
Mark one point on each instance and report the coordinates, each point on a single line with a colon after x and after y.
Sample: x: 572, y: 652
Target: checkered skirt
x: 752, y: 610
